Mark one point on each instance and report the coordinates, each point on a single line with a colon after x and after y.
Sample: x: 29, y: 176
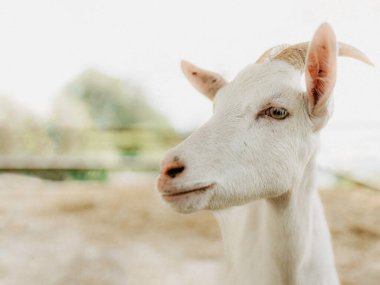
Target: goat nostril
x: 172, y: 172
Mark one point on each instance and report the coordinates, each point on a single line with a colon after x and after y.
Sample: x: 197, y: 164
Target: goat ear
x: 320, y: 71
x: 206, y: 82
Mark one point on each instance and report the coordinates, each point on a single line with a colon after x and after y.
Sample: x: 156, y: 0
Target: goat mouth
x: 178, y: 195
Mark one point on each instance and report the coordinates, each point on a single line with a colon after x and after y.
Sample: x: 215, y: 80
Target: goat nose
x: 173, y: 168
x: 172, y: 172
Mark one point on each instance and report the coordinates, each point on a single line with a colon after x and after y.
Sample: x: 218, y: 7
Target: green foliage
x: 97, y: 112
x: 113, y: 103
x: 84, y: 175
x: 63, y: 174
x: 98, y: 122
x: 21, y: 131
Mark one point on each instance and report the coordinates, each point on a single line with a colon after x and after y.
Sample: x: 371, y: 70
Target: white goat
x: 254, y: 163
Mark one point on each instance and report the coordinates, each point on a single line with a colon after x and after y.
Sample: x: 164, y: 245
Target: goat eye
x: 277, y: 113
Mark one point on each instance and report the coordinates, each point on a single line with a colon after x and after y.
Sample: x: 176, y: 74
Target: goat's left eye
x: 277, y: 113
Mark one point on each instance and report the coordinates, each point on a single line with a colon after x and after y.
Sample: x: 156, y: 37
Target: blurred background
x: 91, y: 97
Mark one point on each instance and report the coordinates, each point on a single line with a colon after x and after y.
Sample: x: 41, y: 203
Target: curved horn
x: 269, y: 54
x: 296, y: 54
x: 350, y: 51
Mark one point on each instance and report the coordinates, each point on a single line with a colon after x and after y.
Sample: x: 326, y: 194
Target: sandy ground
x: 119, y: 232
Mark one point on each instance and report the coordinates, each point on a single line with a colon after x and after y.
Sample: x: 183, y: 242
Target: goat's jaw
x: 183, y: 193
x: 189, y: 199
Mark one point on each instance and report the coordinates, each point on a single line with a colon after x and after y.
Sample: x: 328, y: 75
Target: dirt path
x: 120, y: 233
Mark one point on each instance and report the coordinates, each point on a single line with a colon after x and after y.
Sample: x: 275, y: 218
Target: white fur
x: 262, y: 175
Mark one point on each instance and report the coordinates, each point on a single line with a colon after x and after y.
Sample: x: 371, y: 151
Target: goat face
x: 254, y: 146
x: 262, y: 134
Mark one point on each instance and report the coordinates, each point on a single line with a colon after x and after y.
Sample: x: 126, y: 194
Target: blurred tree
x: 96, y: 112
x: 69, y: 125
x: 21, y: 131
x: 113, y: 103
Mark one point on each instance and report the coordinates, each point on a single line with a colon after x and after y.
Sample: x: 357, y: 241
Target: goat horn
x: 271, y: 53
x: 296, y: 54
x: 350, y: 51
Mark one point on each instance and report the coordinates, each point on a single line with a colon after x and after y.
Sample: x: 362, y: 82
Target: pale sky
x: 44, y: 44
